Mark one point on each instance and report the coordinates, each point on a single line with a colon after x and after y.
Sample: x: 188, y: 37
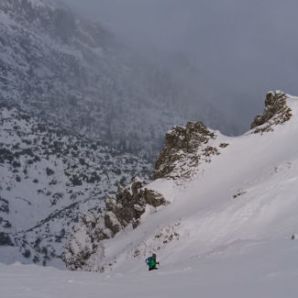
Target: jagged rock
x: 181, y: 144
x: 88, y: 234
x: 125, y: 209
x: 276, y: 112
x: 136, y: 186
x: 130, y: 203
x: 223, y: 145
x: 153, y: 198
x: 112, y: 222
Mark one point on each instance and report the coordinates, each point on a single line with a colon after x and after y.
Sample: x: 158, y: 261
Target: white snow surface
x: 265, y: 269
x: 246, y: 194
x: 226, y: 233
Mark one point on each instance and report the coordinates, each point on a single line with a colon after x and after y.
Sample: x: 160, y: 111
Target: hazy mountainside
x: 48, y: 179
x: 221, y: 194
x: 58, y: 65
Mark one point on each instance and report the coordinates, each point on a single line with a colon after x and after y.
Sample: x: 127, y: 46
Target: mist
x: 238, y: 49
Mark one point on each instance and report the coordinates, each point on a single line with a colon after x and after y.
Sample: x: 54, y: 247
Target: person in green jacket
x: 151, y: 262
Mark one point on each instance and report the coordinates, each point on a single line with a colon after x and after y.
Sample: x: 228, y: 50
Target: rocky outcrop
x: 184, y: 148
x: 276, y: 112
x: 129, y: 205
x: 125, y: 209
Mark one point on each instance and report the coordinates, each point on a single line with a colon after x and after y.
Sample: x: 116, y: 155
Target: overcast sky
x: 242, y: 47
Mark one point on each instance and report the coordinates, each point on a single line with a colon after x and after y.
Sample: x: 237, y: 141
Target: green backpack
x: 151, y: 262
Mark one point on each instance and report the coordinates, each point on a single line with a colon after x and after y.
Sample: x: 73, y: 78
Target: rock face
x: 130, y: 205
x: 125, y: 209
x: 184, y: 148
x: 276, y: 112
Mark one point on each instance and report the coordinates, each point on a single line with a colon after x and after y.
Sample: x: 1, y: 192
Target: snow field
x: 251, y: 269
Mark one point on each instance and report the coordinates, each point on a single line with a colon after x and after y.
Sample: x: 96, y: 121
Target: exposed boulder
x: 276, y: 112
x: 130, y: 204
x: 181, y: 151
x: 85, y: 241
x: 112, y: 222
x: 153, y: 198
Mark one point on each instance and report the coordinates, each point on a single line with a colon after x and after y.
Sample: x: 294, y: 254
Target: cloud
x: 241, y: 48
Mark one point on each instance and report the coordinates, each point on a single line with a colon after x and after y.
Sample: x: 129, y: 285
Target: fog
x: 239, y: 48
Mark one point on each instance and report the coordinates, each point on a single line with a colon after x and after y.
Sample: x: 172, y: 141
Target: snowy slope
x: 263, y: 270
x: 48, y: 178
x: 245, y: 194
x: 230, y: 231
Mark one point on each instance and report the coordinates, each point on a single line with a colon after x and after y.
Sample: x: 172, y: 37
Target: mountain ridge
x: 233, y: 197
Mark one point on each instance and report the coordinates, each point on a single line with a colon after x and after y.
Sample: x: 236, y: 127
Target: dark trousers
x: 152, y: 268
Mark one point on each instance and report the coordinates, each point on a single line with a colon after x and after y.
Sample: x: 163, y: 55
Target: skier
x: 151, y: 262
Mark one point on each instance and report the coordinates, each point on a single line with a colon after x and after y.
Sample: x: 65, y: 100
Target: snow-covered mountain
x: 220, y: 194
x: 62, y: 66
x: 228, y: 228
x: 48, y: 178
